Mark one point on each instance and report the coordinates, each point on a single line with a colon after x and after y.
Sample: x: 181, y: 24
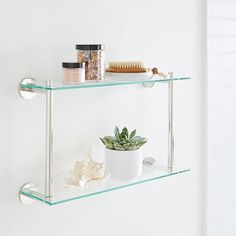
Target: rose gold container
x: 74, y: 73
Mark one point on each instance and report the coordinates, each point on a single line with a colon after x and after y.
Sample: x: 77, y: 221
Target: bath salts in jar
x: 93, y: 56
x: 74, y: 72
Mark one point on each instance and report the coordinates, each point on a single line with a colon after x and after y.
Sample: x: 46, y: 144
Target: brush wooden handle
x: 126, y: 70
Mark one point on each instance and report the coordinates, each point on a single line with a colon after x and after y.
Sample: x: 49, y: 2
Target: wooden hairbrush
x: 126, y: 67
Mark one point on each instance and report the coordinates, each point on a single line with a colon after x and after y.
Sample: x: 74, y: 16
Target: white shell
x: 85, y: 171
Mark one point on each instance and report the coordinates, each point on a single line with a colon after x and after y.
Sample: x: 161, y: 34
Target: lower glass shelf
x: 64, y: 193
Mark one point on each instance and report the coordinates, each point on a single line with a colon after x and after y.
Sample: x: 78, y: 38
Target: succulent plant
x: 123, y: 141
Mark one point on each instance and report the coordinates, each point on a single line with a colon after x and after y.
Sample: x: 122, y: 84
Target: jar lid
x: 87, y: 47
x: 73, y: 65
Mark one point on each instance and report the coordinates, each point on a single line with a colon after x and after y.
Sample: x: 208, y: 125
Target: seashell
x: 86, y: 171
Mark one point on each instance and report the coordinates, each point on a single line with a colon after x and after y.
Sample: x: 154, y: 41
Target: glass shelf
x: 92, y: 84
x: 64, y: 193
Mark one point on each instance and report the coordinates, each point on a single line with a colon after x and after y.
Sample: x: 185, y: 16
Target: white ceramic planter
x: 124, y: 165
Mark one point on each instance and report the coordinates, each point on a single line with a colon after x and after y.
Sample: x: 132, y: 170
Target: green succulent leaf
x: 132, y: 135
x: 133, y: 146
x: 126, y: 146
x: 117, y: 133
x: 102, y: 141
x: 108, y: 142
x: 117, y: 146
x: 125, y: 133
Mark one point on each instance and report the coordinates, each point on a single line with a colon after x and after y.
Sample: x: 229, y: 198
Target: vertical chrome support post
x: 170, y: 125
x: 49, y: 141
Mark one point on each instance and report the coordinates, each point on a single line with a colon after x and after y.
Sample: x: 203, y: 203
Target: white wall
x: 221, y: 117
x: 35, y: 37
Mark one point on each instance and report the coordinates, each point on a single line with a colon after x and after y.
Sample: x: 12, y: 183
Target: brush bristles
x: 126, y: 64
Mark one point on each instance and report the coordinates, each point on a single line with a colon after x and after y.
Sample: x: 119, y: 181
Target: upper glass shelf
x: 57, y: 85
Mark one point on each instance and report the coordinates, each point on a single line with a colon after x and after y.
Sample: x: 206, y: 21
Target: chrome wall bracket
x: 149, y: 84
x: 23, y: 198
x: 26, y: 93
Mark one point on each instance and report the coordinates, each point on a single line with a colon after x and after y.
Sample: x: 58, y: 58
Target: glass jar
x: 93, y: 56
x: 74, y: 72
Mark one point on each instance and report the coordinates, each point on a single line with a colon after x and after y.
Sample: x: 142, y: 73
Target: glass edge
x: 34, y: 197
